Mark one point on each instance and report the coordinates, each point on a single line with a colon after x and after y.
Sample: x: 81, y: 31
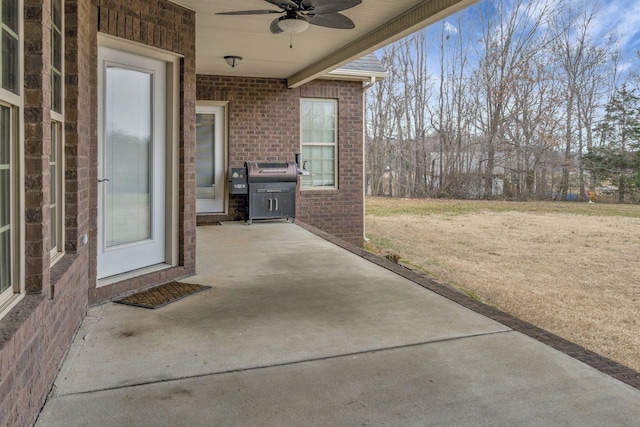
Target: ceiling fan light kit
x: 293, y: 24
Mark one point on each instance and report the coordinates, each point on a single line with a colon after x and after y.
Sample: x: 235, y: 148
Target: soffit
x: 316, y: 51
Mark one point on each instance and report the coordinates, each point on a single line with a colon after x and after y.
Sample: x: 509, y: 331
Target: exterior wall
x: 167, y: 26
x: 264, y: 124
x: 36, y: 334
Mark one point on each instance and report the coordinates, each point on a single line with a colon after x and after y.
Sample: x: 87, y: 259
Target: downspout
x: 365, y: 87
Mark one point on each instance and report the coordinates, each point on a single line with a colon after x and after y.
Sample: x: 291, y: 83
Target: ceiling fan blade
x: 275, y: 28
x: 332, y: 20
x: 250, y: 12
x: 329, y: 6
x: 284, y: 3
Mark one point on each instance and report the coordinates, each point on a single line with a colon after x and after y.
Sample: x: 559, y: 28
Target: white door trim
x: 220, y: 109
x: 171, y: 150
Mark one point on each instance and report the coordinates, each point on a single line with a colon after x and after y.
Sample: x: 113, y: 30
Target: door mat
x: 162, y: 295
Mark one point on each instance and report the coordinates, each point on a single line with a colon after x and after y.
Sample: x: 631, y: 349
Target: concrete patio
x: 296, y: 331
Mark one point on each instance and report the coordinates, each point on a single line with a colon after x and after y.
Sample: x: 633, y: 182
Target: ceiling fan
x: 298, y: 14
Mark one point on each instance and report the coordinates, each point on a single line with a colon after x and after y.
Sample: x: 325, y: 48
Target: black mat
x: 162, y: 295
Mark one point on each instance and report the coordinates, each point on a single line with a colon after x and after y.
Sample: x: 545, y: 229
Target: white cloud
x: 623, y: 18
x: 450, y: 28
x: 623, y: 67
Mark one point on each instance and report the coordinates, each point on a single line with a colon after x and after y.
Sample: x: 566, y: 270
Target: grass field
x: 570, y: 268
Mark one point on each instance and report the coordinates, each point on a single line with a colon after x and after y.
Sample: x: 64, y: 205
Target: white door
x: 210, y: 159
x: 131, y: 161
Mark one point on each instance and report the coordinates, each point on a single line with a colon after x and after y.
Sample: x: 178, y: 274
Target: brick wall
x: 37, y: 142
x: 35, y: 335
x: 164, y: 25
x: 264, y: 124
x: 340, y: 212
x: 264, y: 114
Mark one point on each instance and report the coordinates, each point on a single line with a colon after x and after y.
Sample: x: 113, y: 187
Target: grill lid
x: 271, y: 171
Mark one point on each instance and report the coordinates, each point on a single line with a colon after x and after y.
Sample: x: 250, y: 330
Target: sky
x: 619, y: 16
x: 624, y: 17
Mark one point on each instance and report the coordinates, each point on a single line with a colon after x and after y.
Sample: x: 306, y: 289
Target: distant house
x: 118, y: 121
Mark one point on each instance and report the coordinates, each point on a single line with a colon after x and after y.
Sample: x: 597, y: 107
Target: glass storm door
x: 131, y: 162
x: 210, y: 164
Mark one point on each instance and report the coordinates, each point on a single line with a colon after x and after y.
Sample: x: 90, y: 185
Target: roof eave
x: 355, y: 75
x: 413, y: 20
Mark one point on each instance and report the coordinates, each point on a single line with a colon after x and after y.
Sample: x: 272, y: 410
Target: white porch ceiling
x: 315, y: 51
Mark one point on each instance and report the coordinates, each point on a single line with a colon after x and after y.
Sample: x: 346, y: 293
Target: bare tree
x: 380, y: 125
x: 413, y: 65
x: 533, y: 115
x: 509, y: 40
x: 451, y: 115
x: 584, y: 67
x: 508, y: 113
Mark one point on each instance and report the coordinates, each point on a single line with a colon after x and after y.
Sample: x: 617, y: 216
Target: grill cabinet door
x: 272, y: 200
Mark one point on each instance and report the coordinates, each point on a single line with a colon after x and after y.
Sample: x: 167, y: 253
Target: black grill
x: 272, y: 190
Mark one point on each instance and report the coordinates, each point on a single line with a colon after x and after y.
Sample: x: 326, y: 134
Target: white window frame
x: 305, y: 185
x: 60, y: 55
x: 14, y: 101
x: 57, y: 166
x: 57, y: 185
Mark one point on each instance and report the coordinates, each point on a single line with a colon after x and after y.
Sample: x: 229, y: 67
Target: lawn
x: 570, y: 268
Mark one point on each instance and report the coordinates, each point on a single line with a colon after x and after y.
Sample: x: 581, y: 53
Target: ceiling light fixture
x: 292, y: 23
x: 233, y: 60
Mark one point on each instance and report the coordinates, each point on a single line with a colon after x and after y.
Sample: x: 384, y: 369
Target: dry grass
x: 570, y: 268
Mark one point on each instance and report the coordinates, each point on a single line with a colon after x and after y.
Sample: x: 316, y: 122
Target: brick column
x: 37, y: 142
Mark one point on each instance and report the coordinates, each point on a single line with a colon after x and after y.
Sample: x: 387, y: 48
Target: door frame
x: 172, y: 154
x: 225, y: 150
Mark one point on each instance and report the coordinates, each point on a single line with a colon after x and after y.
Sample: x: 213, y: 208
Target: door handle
x: 276, y: 202
x: 270, y: 204
x: 103, y: 180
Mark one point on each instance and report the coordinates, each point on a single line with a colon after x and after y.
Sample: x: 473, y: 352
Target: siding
x: 35, y: 335
x: 264, y: 124
x: 164, y: 25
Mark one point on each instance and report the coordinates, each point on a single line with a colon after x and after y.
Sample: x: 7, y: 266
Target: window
x: 319, y: 142
x: 10, y: 46
x: 56, y: 159
x: 56, y: 55
x: 6, y: 197
x: 10, y: 149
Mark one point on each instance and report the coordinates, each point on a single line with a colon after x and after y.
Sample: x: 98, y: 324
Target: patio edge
x: 603, y: 364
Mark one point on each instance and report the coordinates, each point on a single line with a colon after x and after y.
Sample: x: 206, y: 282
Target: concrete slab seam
x: 290, y: 363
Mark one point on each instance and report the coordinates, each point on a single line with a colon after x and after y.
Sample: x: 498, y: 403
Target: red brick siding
x: 340, y: 212
x: 170, y: 27
x: 80, y: 115
x: 35, y: 335
x: 264, y: 124
x: 41, y: 330
x: 37, y: 142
